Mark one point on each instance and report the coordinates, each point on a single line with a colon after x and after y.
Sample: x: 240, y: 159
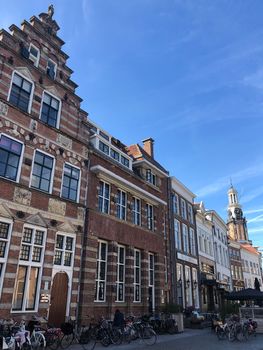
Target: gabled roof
x: 249, y: 248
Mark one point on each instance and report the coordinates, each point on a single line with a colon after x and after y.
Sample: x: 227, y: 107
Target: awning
x: 245, y: 294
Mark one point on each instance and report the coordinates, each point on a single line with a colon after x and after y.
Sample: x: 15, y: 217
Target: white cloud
x: 258, y: 218
x: 253, y: 211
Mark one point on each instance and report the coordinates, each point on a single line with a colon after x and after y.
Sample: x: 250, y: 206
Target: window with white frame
x: 42, y: 172
x: 175, y: 203
x: 121, y: 205
x: 71, y: 182
x: 21, y: 91
x: 34, y: 54
x: 29, y: 271
x: 149, y: 216
x: 195, y: 288
x: 101, y: 273
x: 51, y: 69
x: 64, y: 250
x: 190, y: 213
x: 151, y: 269
x: 137, y: 276
x: 120, y: 283
x: 104, y: 197
x: 10, y: 157
x: 125, y: 161
x: 177, y: 235
x: 5, y: 232
x: 183, y: 208
x: 104, y: 148
x: 150, y: 177
x: 180, y: 284
x: 136, y: 211
x: 114, y: 154
x: 188, y: 281
x: 50, y: 110
x: 185, y: 238
x: 192, y: 241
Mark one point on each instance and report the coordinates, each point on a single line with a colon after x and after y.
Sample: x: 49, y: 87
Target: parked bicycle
x: 72, y: 334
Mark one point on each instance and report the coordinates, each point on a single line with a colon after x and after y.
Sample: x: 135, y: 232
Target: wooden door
x: 58, y: 299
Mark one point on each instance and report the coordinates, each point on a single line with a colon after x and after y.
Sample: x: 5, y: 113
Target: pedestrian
x: 118, y: 320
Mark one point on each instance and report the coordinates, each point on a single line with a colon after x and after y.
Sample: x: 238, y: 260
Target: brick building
x: 43, y: 174
x: 124, y: 251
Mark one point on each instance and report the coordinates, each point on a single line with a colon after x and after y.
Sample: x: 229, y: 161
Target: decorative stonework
x: 3, y: 109
x: 64, y: 141
x: 22, y: 196
x: 37, y: 220
x: 26, y: 72
x: 73, y: 161
x: 81, y: 214
x: 66, y: 227
x: 56, y: 207
x: 85, y: 152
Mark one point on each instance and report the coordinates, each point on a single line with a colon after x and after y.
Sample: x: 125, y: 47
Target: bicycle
x: 81, y: 335
x: 37, y: 339
x: 144, y: 332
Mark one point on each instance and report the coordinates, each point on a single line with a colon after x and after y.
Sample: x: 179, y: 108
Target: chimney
x: 148, y: 146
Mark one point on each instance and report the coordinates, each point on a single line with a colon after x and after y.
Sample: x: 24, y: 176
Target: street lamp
x: 195, y: 284
x: 187, y: 283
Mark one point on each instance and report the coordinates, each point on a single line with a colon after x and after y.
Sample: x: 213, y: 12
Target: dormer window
x: 34, y: 55
x: 115, y: 155
x: 150, y: 177
x: 104, y: 148
x: 51, y: 69
x: 125, y: 161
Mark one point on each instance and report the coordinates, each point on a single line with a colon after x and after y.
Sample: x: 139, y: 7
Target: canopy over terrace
x: 245, y: 294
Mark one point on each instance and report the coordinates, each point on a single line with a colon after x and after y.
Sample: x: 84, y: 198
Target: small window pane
x: 60, y: 241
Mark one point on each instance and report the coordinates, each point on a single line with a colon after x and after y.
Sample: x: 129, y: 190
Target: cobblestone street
x: 190, y: 340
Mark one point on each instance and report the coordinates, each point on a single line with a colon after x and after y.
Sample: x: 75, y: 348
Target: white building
x: 250, y: 258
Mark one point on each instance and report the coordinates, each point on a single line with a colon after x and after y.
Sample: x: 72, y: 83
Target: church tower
x: 237, y: 224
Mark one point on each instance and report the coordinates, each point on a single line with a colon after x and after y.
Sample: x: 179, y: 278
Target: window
x: 190, y: 213
x: 104, y: 197
x: 195, y: 289
x: 188, y: 291
x: 64, y: 250
x: 185, y: 239
x: 103, y: 147
x: 105, y: 136
x: 5, y: 231
x: 151, y: 269
x: 125, y: 161
x: 29, y: 269
x: 42, y: 172
x: 71, y: 181
x: 51, y: 69
x: 101, y: 273
x: 20, y: 93
x: 192, y: 242
x: 180, y: 284
x: 175, y: 203
x: 121, y: 274
x: 34, y: 54
x: 149, y: 216
x: 115, y: 155
x: 177, y: 235
x: 121, y: 205
x: 136, y: 211
x: 50, y: 110
x: 10, y: 157
x: 137, y: 275
x: 150, y: 177
x: 183, y: 209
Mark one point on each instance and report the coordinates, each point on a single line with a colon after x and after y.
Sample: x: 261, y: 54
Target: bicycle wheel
x: 103, y: 337
x: 149, y: 336
x: 231, y: 335
x: 66, y: 340
x: 52, y: 341
x: 115, y: 336
x: 87, y: 340
x: 38, y: 341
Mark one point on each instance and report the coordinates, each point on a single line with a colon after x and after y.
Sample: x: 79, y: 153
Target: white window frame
x: 180, y: 283
x: 52, y: 173
x: 136, y: 211
x: 32, y: 90
x: 55, y: 68
x: 139, y: 268
x: 183, y: 209
x: 190, y: 213
x: 195, y: 288
x: 103, y: 198
x: 20, y: 161
x: 188, y: 277
x: 150, y: 219
x: 174, y: 195
x: 59, y: 109
x: 98, y: 280
x: 3, y: 261
x: 63, y: 250
x: 151, y: 177
x: 118, y: 282
x: 193, y: 243
x: 35, y: 61
x: 122, y: 208
x: 30, y: 264
x: 78, y: 191
x: 177, y: 235
x: 185, y: 238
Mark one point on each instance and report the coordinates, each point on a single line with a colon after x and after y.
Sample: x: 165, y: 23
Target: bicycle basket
x: 67, y: 328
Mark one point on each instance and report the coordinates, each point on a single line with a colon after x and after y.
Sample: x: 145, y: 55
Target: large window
x: 121, y: 205
x: 5, y: 228
x: 29, y: 270
x: 150, y: 177
x: 71, y: 180
x: 64, y: 250
x: 104, y: 197
x: 104, y: 148
x: 183, y: 209
x: 42, y: 172
x: 151, y: 269
x: 149, y: 215
x: 192, y: 242
x: 136, y: 211
x: 185, y: 238
x: 101, y: 273
x: 175, y: 204
x: 10, y: 157
x: 50, y: 110
x: 190, y: 213
x: 177, y: 235
x: 195, y: 289
x: 137, y: 275
x: 20, y: 93
x: 120, y: 274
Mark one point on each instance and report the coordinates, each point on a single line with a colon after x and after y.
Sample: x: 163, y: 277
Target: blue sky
x: 188, y: 73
